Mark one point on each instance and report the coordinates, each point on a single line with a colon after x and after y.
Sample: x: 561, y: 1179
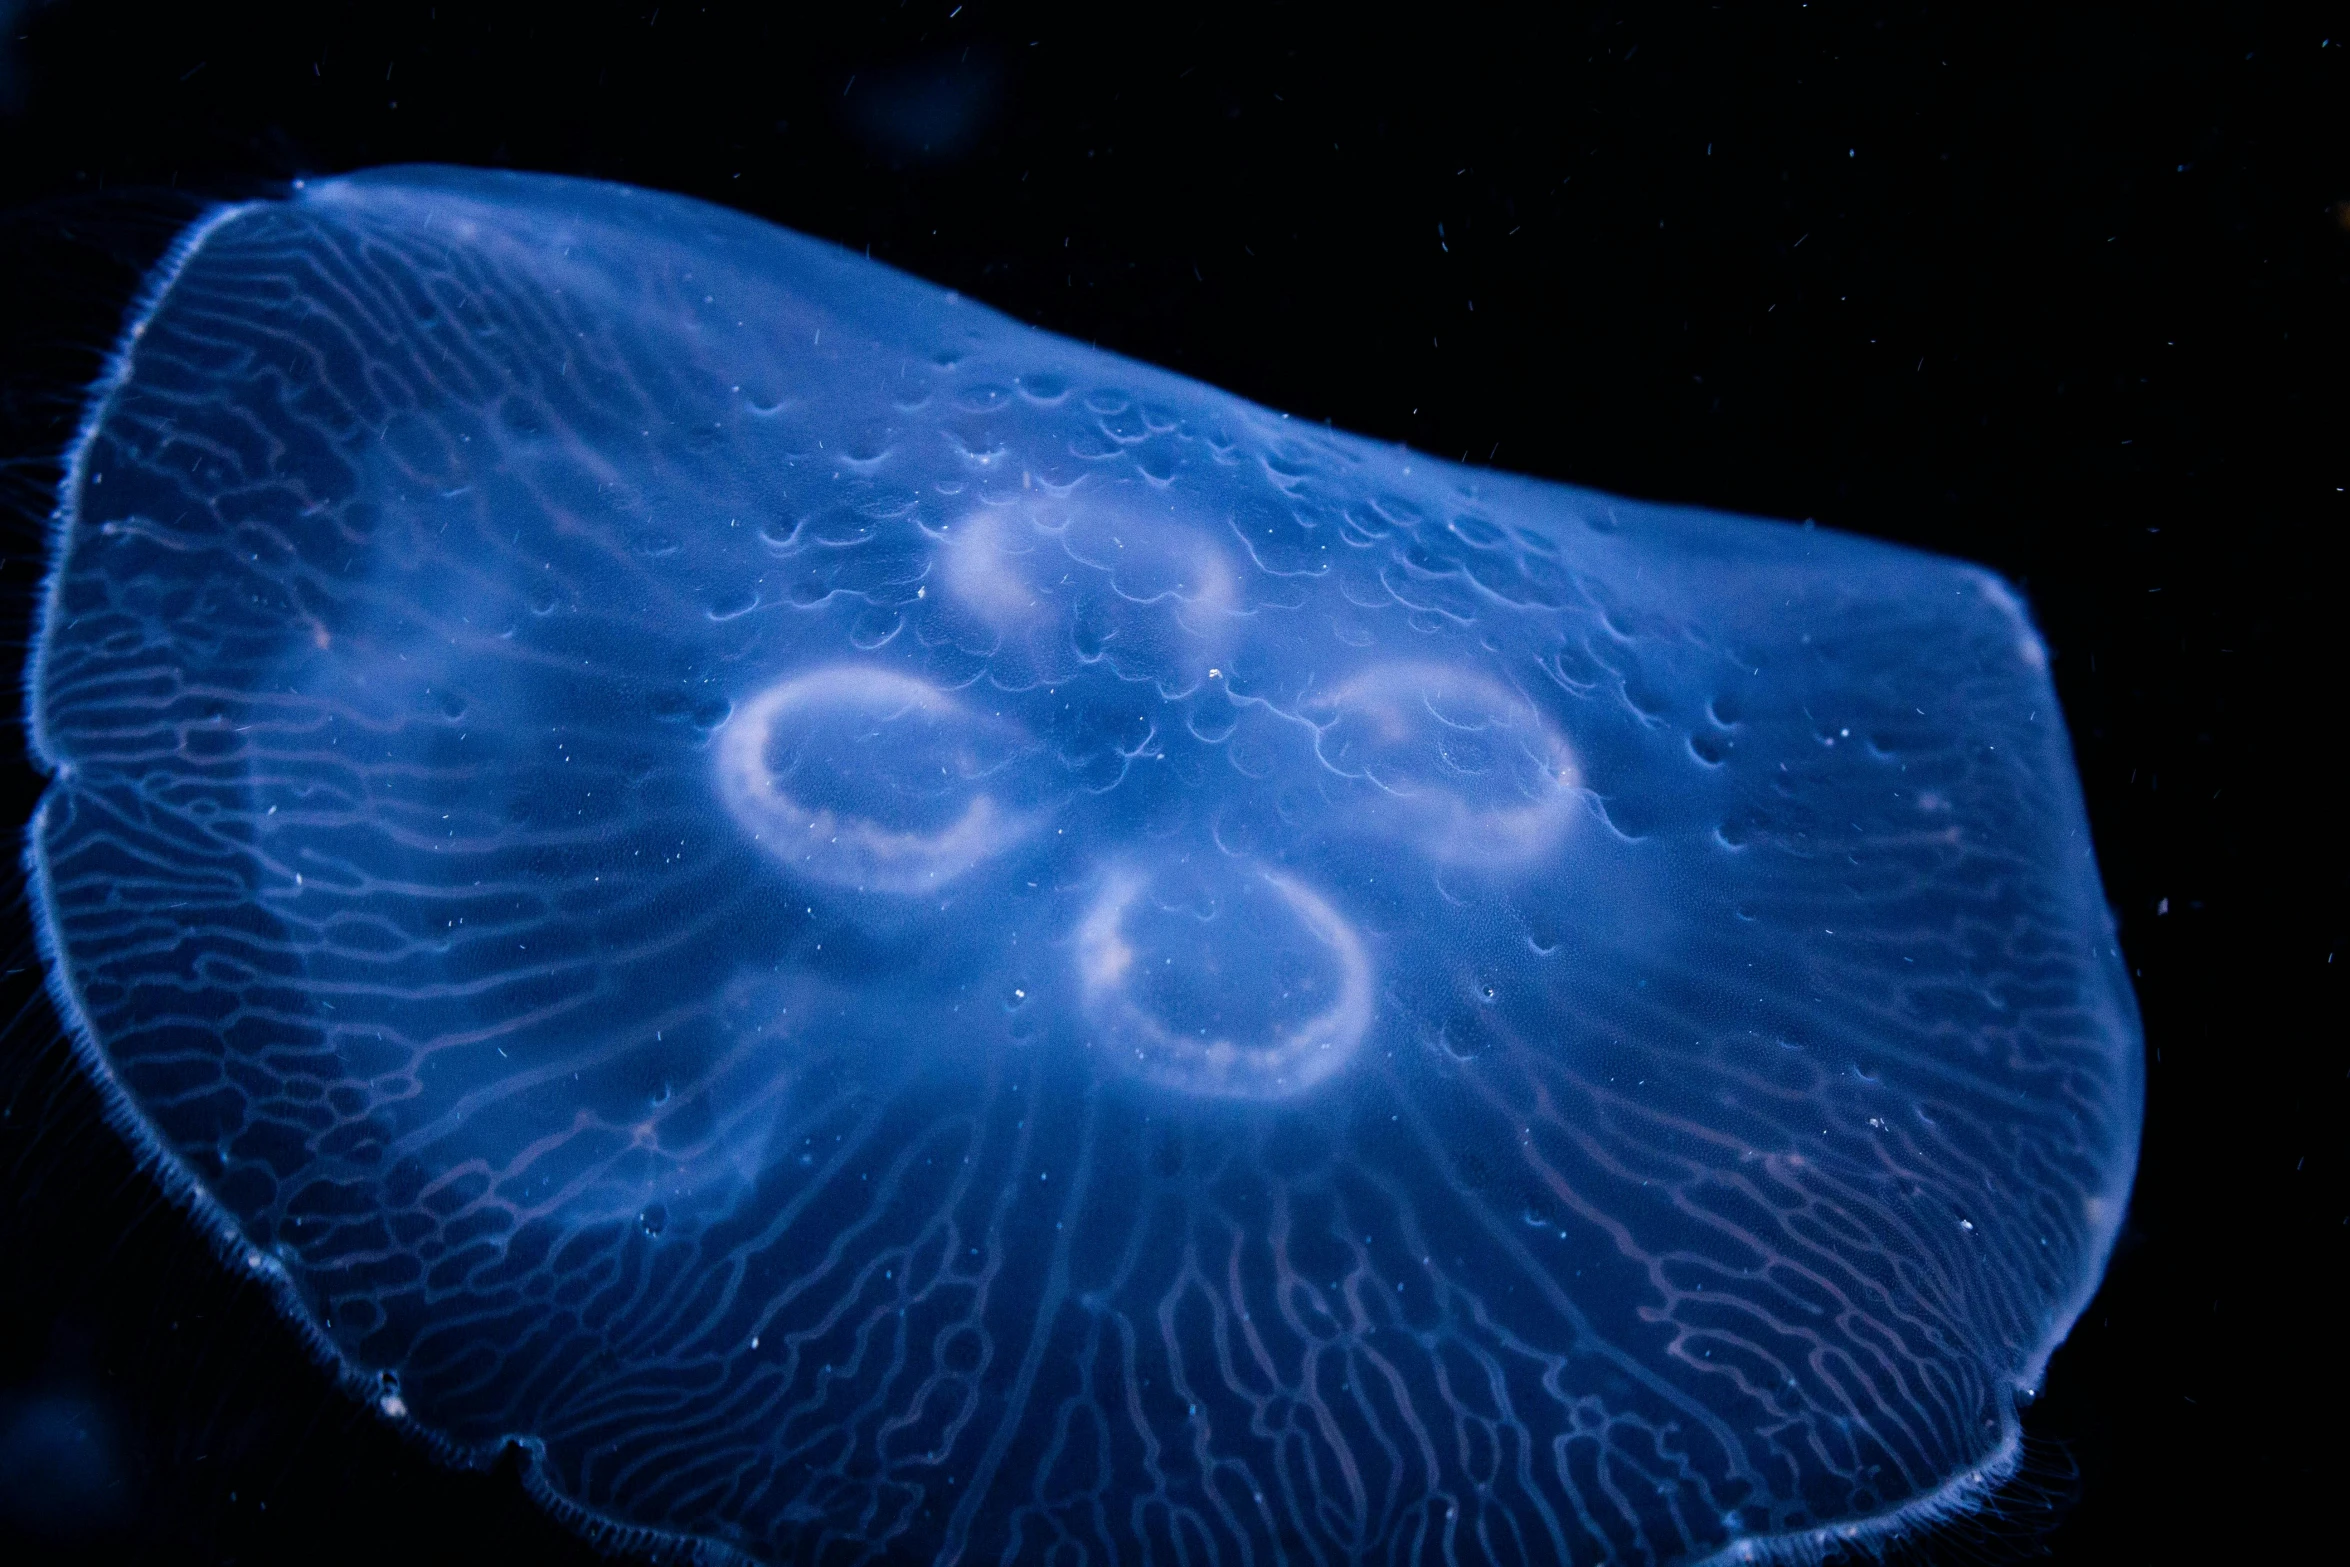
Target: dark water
x: 2044, y: 307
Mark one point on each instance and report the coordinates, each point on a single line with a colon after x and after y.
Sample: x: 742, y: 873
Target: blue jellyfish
x: 885, y: 937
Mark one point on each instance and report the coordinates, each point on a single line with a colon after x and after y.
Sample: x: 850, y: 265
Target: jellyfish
x: 881, y: 936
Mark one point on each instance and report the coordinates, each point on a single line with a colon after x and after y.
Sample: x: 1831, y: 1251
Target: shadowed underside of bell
x: 891, y: 937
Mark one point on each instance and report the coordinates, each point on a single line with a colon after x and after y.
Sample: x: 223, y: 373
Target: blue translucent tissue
x: 890, y: 938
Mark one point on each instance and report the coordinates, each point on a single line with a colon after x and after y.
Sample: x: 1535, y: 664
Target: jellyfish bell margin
x: 878, y: 932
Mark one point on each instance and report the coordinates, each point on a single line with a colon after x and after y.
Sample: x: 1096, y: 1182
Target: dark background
x: 2065, y: 297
